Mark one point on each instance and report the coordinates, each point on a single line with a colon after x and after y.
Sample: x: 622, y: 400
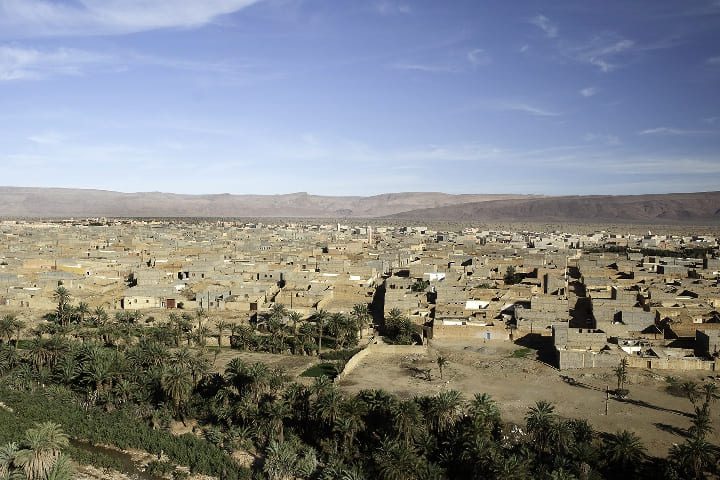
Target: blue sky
x: 354, y: 97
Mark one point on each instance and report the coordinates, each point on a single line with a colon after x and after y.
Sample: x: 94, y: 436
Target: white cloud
x: 392, y: 8
x: 603, y: 51
x: 588, y: 92
x: 420, y: 67
x: 109, y: 17
x: 714, y: 61
x: 28, y: 63
x: 606, y: 139
x: 672, y: 131
x: 47, y: 138
x: 479, y: 57
x: 544, y: 24
x: 524, y: 48
x: 19, y: 63
x: 529, y: 109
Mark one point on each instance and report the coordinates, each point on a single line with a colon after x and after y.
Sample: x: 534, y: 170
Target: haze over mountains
x: 697, y: 208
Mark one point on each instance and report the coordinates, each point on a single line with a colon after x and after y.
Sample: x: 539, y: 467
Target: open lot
x: 517, y: 383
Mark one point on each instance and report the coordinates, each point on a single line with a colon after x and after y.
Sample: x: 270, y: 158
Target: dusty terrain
x: 293, y: 365
x: 517, y: 383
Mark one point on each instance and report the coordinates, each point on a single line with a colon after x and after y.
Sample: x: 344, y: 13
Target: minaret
x: 369, y: 234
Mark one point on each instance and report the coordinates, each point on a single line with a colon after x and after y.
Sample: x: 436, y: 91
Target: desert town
x: 521, y: 315
x: 658, y: 310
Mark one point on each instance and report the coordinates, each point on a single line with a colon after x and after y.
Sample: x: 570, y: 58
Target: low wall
x: 492, y: 332
x: 686, y: 363
x: 568, y: 359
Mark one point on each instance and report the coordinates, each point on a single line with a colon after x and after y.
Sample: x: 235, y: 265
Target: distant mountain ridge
x: 671, y: 208
x: 68, y: 202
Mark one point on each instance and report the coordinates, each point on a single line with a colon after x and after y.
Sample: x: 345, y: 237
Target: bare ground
x: 293, y: 365
x: 659, y: 418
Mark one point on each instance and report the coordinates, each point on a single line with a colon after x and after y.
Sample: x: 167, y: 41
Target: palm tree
x: 45, y: 352
x: 96, y: 371
x: 701, y: 423
x: 82, y: 310
x: 101, y: 316
x: 396, y: 462
x: 511, y: 467
x: 62, y: 297
x: 278, y: 311
x: 484, y: 412
x: 199, y: 366
x: 19, y: 327
x: 327, y: 406
x: 221, y: 326
x: 43, y: 446
x: 406, y: 421
x: 62, y: 469
x: 176, y: 385
x: 624, y: 451
x: 694, y: 456
x: 621, y: 374
x: 201, y: 333
x: 280, y: 461
x: 350, y: 421
x: 320, y: 317
x: 446, y: 408
x: 691, y: 391
x: 441, y: 362
x: 539, y: 421
x: 7, y: 457
x: 361, y: 313
x: 7, y: 326
x: 294, y: 317
x: 710, y: 389
x: 277, y: 411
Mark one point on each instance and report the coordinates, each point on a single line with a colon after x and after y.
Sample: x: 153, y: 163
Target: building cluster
x: 595, y: 297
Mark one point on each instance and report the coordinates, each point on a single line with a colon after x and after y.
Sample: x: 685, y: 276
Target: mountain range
x: 671, y: 208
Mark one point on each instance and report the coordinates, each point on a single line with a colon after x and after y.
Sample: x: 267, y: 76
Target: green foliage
x: 511, y: 276
x: 325, y: 369
x: 420, y: 285
x: 127, y: 394
x: 398, y: 328
x: 521, y: 352
x: 120, y: 428
x: 342, y: 355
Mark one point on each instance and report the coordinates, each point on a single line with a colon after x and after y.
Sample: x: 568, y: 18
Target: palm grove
x: 121, y: 381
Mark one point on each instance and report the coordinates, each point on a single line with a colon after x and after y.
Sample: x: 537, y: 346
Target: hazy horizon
x: 359, y: 99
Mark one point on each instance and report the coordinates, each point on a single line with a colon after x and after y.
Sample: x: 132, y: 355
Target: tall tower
x: 369, y: 234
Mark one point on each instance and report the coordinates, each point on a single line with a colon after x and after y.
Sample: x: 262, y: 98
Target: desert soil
x: 517, y: 383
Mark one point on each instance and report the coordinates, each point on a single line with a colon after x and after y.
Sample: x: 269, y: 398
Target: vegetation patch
x: 325, y: 369
x: 521, y: 353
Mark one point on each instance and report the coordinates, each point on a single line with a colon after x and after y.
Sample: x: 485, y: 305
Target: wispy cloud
x: 428, y: 68
x: 603, y: 52
x: 392, y: 8
x: 713, y: 61
x: 603, y: 138
x: 479, y: 57
x: 29, y: 63
x: 673, y: 131
x: 529, y: 109
x: 589, y: 92
x: 47, y: 138
x: 544, y: 24
x: 20, y: 63
x: 109, y: 17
